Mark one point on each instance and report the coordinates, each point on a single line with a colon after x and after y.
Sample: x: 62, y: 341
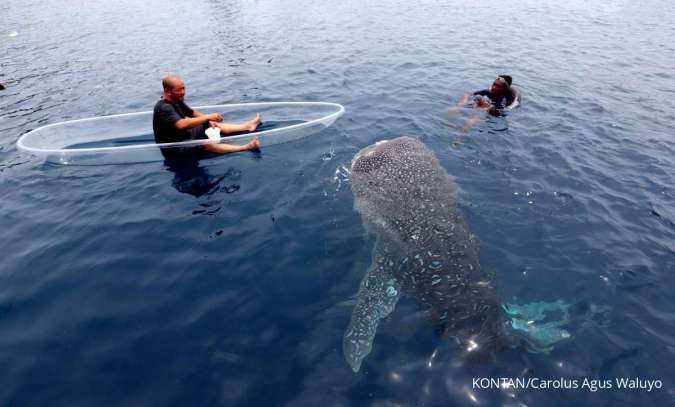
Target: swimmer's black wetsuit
x: 499, y: 103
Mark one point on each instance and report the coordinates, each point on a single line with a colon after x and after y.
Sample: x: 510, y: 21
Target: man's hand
x: 215, y: 117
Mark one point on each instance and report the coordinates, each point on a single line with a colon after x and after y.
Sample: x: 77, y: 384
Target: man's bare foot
x: 254, y: 123
x: 254, y: 144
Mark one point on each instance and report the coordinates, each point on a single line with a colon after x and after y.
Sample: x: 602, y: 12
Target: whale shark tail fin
x: 539, y: 324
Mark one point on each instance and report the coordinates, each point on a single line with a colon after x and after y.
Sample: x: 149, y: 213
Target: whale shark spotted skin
x: 423, y: 249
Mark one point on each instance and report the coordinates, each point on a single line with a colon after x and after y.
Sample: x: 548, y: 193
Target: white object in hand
x: 213, y: 133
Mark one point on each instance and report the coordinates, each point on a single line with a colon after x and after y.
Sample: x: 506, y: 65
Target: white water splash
x: 341, y: 177
x: 328, y: 155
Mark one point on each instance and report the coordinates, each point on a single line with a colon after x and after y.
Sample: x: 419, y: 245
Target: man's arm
x: 198, y: 120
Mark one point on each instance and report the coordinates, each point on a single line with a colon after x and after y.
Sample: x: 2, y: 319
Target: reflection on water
x: 191, y: 178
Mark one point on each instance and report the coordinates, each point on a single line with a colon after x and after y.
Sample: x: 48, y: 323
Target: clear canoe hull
x: 128, y: 138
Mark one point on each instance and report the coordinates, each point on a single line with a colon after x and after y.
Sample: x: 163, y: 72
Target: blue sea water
x: 232, y: 282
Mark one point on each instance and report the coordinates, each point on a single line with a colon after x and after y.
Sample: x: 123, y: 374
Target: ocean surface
x: 232, y: 282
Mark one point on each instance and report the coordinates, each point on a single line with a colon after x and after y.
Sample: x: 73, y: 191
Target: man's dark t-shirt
x: 499, y: 103
x: 164, y: 119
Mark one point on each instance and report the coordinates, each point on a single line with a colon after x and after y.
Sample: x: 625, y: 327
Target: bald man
x: 175, y: 121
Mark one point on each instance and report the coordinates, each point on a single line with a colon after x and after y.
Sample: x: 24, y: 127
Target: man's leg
x: 232, y: 128
x: 231, y: 148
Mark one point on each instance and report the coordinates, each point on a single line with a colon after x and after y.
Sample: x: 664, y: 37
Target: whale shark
x: 423, y: 248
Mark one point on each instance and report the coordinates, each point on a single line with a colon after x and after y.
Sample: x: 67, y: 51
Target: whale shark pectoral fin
x: 376, y: 299
x: 540, y: 338
x: 527, y: 321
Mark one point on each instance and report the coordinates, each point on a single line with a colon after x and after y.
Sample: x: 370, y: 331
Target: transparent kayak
x: 126, y: 138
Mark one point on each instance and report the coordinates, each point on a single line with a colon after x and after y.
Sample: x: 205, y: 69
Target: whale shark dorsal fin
x: 377, y: 296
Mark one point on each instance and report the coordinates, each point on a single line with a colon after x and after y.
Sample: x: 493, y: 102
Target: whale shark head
x: 396, y: 182
x: 403, y: 160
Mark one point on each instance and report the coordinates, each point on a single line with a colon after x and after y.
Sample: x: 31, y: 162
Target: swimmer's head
x: 501, y: 84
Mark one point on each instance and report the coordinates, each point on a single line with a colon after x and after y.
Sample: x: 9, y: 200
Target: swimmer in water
x: 501, y: 94
x: 494, y: 101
